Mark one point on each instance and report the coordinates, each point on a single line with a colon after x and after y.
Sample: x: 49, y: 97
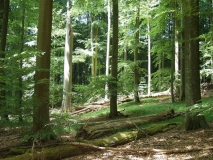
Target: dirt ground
x: 172, y: 145
x: 178, y: 145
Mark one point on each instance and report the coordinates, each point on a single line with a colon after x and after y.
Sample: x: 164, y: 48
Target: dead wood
x: 76, y: 148
x: 128, y: 136
x: 86, y: 109
x: 91, y: 131
x: 53, y: 153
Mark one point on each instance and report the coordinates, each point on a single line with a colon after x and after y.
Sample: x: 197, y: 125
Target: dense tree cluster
x: 119, y: 48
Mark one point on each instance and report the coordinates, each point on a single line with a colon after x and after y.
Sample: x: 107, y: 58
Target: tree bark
x: 4, y: 13
x: 182, y: 59
x: 192, y: 63
x: 136, y: 75
x: 192, y: 56
x: 42, y: 75
x: 67, y: 87
x: 193, y: 122
x: 113, y: 82
x: 108, y: 48
x: 92, y: 131
x: 20, y: 91
x: 149, y: 58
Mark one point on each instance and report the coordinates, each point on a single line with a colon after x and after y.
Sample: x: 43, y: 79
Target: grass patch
x: 147, y: 106
x: 150, y: 107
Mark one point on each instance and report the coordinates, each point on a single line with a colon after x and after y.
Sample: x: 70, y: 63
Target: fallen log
x: 76, y: 148
x: 128, y: 136
x: 89, y: 108
x: 53, y: 153
x: 90, y: 131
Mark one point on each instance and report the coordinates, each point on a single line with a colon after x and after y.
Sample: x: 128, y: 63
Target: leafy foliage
x: 161, y: 79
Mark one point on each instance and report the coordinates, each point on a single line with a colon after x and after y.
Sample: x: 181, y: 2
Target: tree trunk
x: 193, y: 122
x: 4, y: 13
x: 42, y: 75
x: 108, y: 49
x: 67, y: 88
x: 210, y: 29
x: 172, y: 76
x: 20, y: 92
x: 113, y: 82
x: 92, y: 131
x: 149, y: 58
x: 182, y: 60
x: 192, y: 62
x: 192, y: 56
x: 176, y: 57
x: 136, y: 75
x: 94, y: 32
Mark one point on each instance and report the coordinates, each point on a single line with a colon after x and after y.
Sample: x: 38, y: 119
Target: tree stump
x: 195, y: 121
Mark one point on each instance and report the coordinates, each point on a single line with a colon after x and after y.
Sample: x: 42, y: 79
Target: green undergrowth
x: 63, y: 123
x: 148, y: 106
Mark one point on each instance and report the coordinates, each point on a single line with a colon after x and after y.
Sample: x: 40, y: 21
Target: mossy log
x: 90, y: 131
x: 53, y: 153
x: 128, y: 136
x: 77, y: 148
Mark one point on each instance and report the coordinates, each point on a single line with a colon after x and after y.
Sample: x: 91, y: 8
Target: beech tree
x: 113, y: 83
x: 136, y: 67
x: 192, y: 61
x: 67, y: 88
x: 4, y: 12
x: 108, y: 46
x: 42, y: 75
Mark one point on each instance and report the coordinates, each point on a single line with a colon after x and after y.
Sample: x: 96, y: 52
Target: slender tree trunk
x: 20, y: 93
x: 182, y: 60
x: 125, y: 54
x: 113, y: 85
x: 177, y: 50
x: 108, y: 49
x: 1, y: 14
x: 67, y: 87
x: 136, y: 76
x: 176, y: 36
x: 95, y: 57
x: 4, y: 12
x: 172, y: 75
x: 92, y: 33
x: 149, y: 58
x: 42, y: 75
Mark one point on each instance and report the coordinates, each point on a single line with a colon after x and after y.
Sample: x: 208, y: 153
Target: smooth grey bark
x: 108, y: 49
x: 149, y: 58
x: 67, y: 86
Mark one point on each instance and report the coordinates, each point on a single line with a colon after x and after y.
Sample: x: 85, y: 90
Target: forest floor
x: 177, y: 144
x: 172, y: 145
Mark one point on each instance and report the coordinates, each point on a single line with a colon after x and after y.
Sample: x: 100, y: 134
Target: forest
x: 105, y: 73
